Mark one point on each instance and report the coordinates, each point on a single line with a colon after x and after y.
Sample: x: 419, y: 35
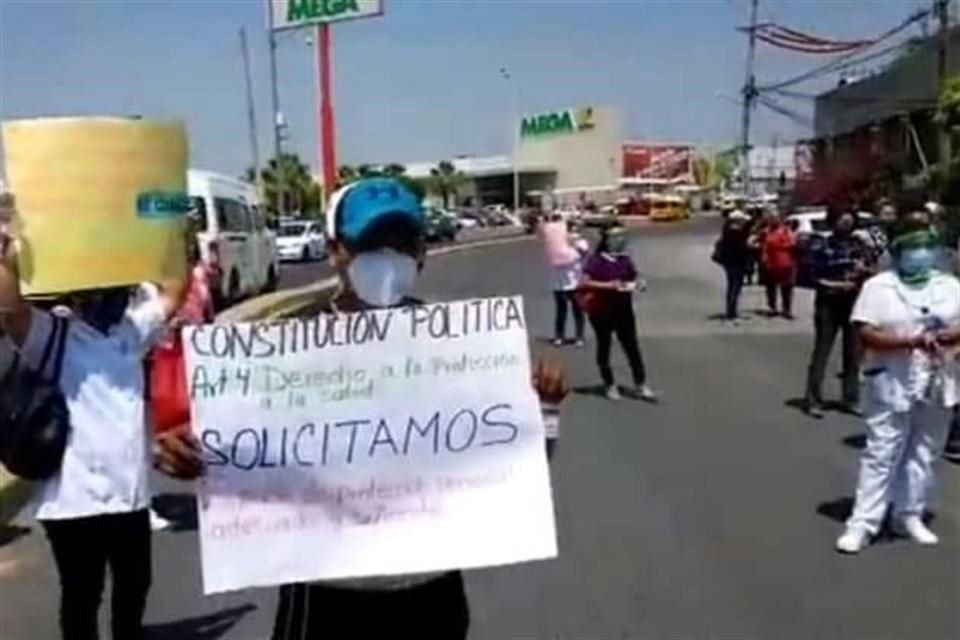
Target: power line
x: 796, y: 95
x: 844, y: 60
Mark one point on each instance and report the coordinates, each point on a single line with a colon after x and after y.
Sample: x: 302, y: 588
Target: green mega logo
x: 303, y: 10
x: 557, y: 122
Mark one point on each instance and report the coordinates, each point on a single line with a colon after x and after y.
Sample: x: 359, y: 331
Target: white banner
x: 379, y: 443
x: 291, y: 14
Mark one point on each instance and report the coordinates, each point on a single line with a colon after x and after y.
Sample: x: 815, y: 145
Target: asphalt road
x: 712, y: 514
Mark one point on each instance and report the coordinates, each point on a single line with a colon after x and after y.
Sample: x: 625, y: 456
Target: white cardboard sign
x: 368, y: 444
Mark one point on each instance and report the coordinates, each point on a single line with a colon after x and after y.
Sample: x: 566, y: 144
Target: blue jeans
x: 735, y: 277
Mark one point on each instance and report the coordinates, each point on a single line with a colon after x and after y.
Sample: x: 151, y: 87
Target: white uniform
x: 907, y: 397
x: 106, y: 462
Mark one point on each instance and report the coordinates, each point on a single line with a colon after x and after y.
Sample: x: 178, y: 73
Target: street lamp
x: 515, y: 126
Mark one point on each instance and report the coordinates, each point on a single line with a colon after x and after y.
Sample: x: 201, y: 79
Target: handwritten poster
x: 369, y: 444
x: 101, y: 201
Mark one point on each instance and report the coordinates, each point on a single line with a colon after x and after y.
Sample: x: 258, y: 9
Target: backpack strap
x: 49, y: 346
x: 61, y: 349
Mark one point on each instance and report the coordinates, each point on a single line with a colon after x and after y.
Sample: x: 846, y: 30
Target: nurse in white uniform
x: 909, y: 323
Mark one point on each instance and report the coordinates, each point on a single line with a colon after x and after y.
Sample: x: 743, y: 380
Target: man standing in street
x: 840, y: 267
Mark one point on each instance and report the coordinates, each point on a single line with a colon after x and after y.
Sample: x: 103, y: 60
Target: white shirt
x: 902, y: 377
x: 106, y: 462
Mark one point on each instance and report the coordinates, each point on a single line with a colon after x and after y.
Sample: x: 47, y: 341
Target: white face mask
x: 382, y: 278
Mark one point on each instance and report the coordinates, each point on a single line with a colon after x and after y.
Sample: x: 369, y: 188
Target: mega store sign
x: 291, y: 14
x: 557, y: 122
x: 657, y: 161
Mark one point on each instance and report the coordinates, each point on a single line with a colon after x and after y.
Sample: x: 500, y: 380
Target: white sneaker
x: 613, y: 393
x: 853, y: 540
x: 158, y: 522
x: 645, y: 393
x: 912, y: 527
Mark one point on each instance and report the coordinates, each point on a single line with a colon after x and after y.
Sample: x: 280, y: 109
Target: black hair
x: 909, y: 223
x: 390, y: 231
x: 603, y: 246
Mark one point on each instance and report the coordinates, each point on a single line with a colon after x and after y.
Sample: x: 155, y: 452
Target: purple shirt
x: 608, y: 268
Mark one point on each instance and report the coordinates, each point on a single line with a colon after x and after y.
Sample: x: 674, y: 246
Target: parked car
x: 472, y: 218
x: 233, y: 235
x: 441, y: 226
x: 301, y: 240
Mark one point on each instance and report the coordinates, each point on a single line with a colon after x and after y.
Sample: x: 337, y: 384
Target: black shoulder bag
x: 34, y: 420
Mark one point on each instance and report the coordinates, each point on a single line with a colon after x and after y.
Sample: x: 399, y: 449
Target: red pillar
x: 325, y: 129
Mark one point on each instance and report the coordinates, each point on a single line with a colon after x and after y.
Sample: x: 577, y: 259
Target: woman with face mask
x: 908, y: 319
x: 612, y: 277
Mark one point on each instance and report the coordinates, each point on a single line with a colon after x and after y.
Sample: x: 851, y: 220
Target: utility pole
x: 275, y: 108
x: 251, y: 111
x: 749, y: 97
x: 942, y: 12
x: 515, y: 136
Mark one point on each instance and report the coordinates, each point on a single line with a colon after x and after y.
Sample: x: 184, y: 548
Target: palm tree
x: 287, y: 184
x: 346, y: 174
x: 394, y: 170
x: 446, y: 181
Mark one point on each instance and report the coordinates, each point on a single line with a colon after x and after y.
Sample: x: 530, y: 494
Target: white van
x: 234, y: 234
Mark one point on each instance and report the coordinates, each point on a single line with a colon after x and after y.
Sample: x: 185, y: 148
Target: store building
x: 561, y: 157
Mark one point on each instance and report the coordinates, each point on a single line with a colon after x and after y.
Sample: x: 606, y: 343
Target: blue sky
x: 421, y: 82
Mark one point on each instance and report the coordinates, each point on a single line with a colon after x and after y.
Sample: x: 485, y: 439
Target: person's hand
x: 626, y: 287
x: 927, y: 342
x: 177, y: 454
x: 550, y: 382
x: 8, y: 218
x: 948, y: 337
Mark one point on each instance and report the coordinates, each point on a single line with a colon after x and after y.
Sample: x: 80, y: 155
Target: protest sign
x: 368, y: 444
x: 100, y: 200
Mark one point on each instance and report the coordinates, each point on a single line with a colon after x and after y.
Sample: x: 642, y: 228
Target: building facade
x: 879, y: 129
x: 561, y: 157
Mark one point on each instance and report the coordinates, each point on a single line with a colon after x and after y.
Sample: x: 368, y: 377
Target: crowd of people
x: 898, y: 312
x: 95, y: 507
x: 891, y: 292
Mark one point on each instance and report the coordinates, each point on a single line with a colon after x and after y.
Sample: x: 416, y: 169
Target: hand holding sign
x: 177, y: 454
x: 550, y: 382
x: 395, y: 441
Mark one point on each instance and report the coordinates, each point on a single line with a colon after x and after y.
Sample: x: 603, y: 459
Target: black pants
x: 735, y: 279
x: 82, y: 549
x: 831, y: 316
x: 435, y: 609
x: 786, y: 297
x: 620, y: 321
x: 562, y: 300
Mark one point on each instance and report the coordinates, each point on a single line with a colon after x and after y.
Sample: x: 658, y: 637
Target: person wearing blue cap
x: 375, y: 232
x: 375, y: 235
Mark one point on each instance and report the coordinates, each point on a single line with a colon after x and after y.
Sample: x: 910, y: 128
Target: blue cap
x: 356, y: 208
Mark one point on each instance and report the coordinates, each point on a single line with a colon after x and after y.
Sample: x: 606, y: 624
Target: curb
x: 281, y: 303
x: 14, y: 494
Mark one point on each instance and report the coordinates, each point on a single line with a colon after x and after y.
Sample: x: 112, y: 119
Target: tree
x: 288, y: 185
x: 346, y: 174
x: 445, y: 181
x: 394, y: 170
x: 947, y: 174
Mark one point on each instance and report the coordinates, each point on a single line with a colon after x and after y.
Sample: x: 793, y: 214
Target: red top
x: 778, y: 246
